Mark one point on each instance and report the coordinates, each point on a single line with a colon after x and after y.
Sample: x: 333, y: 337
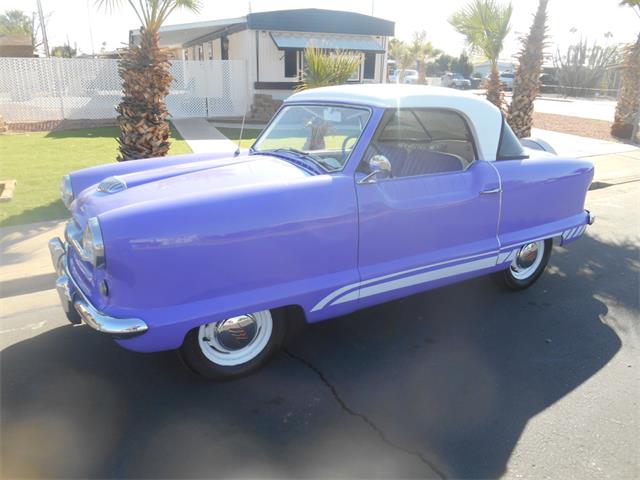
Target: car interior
x: 423, y: 142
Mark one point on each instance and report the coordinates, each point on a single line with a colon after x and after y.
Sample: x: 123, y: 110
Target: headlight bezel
x: 66, y: 191
x: 93, y: 244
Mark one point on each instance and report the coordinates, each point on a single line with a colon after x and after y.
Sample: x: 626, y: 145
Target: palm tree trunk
x: 494, y: 88
x: 625, y: 122
x: 144, y: 69
x: 526, y: 84
x: 421, y: 71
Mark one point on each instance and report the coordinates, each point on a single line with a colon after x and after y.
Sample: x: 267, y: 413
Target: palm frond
x: 151, y: 13
x: 325, y: 67
x: 485, y: 25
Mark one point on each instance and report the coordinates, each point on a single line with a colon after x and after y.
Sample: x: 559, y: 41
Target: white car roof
x: 484, y: 118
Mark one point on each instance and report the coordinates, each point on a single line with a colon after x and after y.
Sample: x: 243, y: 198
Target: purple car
x: 352, y: 196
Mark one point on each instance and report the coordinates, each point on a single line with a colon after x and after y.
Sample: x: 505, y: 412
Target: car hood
x: 208, y: 178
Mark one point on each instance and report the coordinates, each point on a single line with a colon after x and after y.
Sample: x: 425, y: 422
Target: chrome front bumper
x: 78, y: 308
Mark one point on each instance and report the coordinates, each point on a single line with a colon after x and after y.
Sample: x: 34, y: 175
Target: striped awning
x: 300, y: 42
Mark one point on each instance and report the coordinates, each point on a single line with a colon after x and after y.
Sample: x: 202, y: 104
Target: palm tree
x: 144, y: 69
x: 324, y: 67
x: 404, y: 55
x: 627, y: 116
x: 485, y: 24
x: 526, y: 83
x: 422, y: 51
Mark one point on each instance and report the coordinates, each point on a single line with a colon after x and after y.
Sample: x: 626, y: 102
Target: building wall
x: 269, y: 65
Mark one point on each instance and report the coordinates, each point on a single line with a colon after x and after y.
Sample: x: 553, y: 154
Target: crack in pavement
x: 364, y: 418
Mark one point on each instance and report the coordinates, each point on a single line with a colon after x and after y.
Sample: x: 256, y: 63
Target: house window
x: 290, y: 63
x: 224, y: 48
x: 355, y: 76
x: 369, y: 66
x: 186, y: 53
x: 200, y: 53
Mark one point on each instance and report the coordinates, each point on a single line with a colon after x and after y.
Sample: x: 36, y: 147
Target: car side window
x: 509, y: 147
x: 423, y: 142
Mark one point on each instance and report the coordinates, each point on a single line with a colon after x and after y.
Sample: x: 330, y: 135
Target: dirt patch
x: 585, y: 127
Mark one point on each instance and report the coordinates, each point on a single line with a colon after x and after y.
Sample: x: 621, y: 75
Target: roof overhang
x: 301, y: 41
x: 316, y: 20
x: 178, y: 35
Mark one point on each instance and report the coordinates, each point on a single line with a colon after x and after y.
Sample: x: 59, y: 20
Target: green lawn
x: 248, y: 136
x: 294, y: 138
x: 39, y: 160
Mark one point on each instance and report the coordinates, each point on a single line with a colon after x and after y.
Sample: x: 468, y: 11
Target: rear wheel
x: 527, y: 266
x: 235, y: 346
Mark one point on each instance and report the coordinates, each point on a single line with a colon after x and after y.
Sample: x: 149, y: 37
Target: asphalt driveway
x: 465, y: 381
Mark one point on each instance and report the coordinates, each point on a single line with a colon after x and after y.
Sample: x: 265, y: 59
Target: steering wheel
x: 344, y: 144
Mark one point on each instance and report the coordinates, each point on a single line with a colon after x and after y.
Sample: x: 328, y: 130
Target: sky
x: 82, y: 23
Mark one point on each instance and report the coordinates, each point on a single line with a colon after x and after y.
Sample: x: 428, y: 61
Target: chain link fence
x: 41, y: 89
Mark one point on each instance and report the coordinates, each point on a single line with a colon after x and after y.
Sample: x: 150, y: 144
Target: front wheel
x: 235, y: 346
x: 527, y: 266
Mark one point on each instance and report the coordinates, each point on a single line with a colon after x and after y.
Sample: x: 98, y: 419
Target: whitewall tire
x: 529, y: 263
x: 235, y: 346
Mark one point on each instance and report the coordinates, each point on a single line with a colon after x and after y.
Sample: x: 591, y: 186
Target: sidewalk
x: 576, y: 146
x: 202, y: 136
x: 25, y: 266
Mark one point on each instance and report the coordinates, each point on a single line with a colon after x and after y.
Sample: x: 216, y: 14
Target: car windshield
x: 322, y: 134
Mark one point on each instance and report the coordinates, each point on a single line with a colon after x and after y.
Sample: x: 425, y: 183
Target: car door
x: 435, y: 220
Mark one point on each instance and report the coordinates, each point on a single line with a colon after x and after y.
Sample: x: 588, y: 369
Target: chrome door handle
x: 487, y: 192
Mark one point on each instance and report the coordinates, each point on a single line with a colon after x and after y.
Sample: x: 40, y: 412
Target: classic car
x: 351, y: 196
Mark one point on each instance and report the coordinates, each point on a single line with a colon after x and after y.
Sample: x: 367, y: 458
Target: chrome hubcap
x: 236, y: 340
x: 236, y: 332
x: 527, y: 255
x: 527, y: 260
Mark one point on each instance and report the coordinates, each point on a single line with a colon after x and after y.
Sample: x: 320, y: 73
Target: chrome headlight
x: 92, y: 244
x: 66, y: 192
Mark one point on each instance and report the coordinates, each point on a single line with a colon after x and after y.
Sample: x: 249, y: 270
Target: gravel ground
x: 585, y: 127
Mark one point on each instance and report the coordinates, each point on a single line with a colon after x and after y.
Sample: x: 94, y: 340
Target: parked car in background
x: 455, y: 80
x: 408, y: 76
x: 507, y: 79
x: 352, y: 196
x: 548, y: 83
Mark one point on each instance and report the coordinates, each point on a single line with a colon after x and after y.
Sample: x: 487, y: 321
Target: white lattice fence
x: 39, y: 89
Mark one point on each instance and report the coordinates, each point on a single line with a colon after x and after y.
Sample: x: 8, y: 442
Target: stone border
x: 6, y: 192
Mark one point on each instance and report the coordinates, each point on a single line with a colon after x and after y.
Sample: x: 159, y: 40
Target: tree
x: 63, y: 51
x: 625, y: 122
x: 403, y: 55
x: 526, y: 82
x: 580, y: 70
x: 324, y: 67
x: 422, y: 51
x: 485, y: 25
x: 144, y: 69
x: 462, y: 65
x: 15, y: 22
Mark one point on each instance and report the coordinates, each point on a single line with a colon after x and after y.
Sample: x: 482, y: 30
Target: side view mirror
x: 380, y: 168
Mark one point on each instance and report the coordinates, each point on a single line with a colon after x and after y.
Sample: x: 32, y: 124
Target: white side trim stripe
x: 336, y: 293
x: 425, y: 277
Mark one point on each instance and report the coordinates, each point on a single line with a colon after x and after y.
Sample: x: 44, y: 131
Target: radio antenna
x: 241, y: 132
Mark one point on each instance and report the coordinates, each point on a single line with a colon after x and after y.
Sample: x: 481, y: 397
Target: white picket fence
x: 39, y: 89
